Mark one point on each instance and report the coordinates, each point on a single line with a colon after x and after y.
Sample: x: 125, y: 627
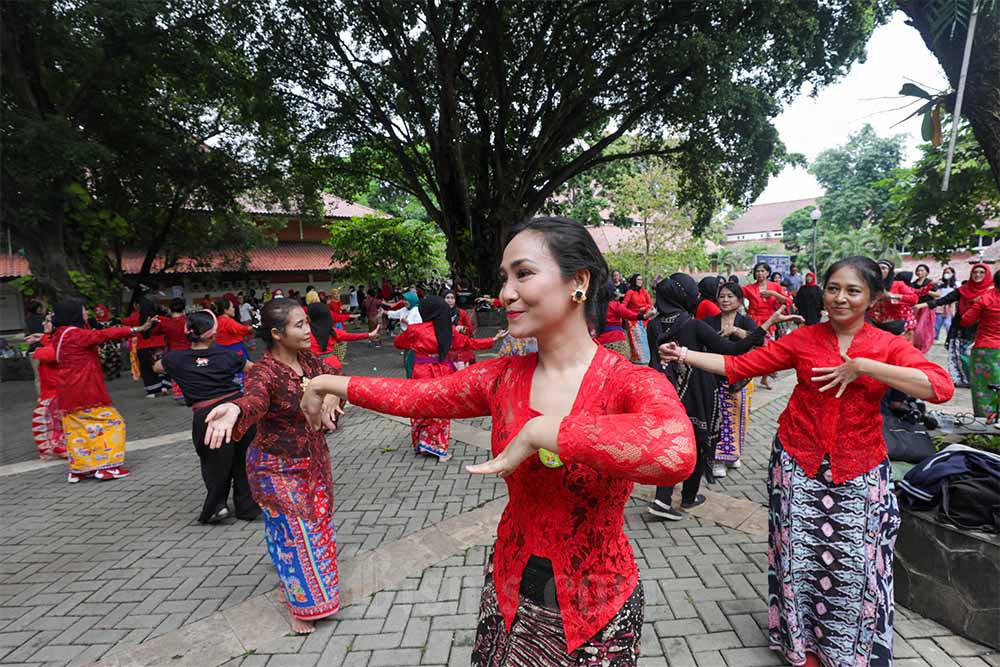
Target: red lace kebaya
x: 627, y: 425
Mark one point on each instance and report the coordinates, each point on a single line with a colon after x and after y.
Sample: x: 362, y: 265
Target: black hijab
x: 709, y: 287
x: 631, y: 282
x: 905, y: 276
x: 321, y: 324
x: 454, y: 310
x: 68, y: 313
x: 434, y: 309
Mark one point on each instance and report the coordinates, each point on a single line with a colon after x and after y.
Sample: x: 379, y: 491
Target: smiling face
x: 727, y: 300
x: 295, y: 337
x: 638, y: 281
x: 846, y: 297
x: 537, y: 297
x: 978, y: 274
x: 921, y: 272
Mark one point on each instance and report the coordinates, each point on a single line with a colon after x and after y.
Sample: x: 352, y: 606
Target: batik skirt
x: 46, y: 427
x: 639, y: 342
x: 430, y: 436
x: 621, y: 347
x: 536, y: 638
x: 958, y: 361
x: 304, y: 554
x: 830, y: 564
x: 95, y: 439
x: 735, y: 417
x: 985, y: 363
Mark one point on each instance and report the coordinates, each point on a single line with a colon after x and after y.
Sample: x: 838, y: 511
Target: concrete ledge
x: 130, y: 446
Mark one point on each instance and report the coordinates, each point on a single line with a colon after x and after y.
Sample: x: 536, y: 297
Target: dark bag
x: 972, y: 501
x: 906, y: 441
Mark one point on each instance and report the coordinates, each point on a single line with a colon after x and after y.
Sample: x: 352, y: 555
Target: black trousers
x: 152, y: 381
x: 689, y: 490
x: 223, y: 469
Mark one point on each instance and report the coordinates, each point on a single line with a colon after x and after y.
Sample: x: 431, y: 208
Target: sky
x: 810, y: 125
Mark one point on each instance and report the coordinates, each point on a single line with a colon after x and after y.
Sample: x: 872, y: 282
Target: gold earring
x: 579, y: 296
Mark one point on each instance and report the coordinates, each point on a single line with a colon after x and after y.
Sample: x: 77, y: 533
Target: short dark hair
x: 734, y: 288
x: 222, y: 305
x: 758, y: 265
x: 177, y: 305
x: 574, y: 249
x: 198, y: 323
x: 274, y: 315
x: 866, y: 268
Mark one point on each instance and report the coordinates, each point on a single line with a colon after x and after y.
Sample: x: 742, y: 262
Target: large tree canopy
x: 482, y: 109
x: 162, y: 111
x: 943, y: 25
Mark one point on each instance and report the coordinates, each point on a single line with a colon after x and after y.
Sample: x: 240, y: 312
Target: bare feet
x: 763, y: 383
x: 446, y: 457
x: 301, y: 627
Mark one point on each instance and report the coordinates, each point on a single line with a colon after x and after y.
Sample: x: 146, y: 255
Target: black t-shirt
x: 204, y: 374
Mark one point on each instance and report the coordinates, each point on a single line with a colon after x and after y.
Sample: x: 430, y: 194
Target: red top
x: 327, y: 355
x: 271, y: 400
x: 638, y: 300
x: 336, y: 313
x: 81, y: 378
x: 613, y: 331
x: 230, y: 331
x: 708, y: 308
x: 155, y: 338
x: 986, y: 311
x: 423, y: 341
x: 386, y: 292
x: 626, y: 425
x: 173, y: 332
x: 887, y: 310
x: 48, y: 371
x: 847, y: 429
x: 466, y: 355
x: 758, y: 307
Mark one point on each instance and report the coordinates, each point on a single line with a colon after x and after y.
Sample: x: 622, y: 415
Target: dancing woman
x: 206, y: 374
x: 325, y: 336
x: 288, y: 463
x: 984, y: 361
x: 833, y: 516
x: 562, y: 586
x: 637, y: 299
x: 764, y: 297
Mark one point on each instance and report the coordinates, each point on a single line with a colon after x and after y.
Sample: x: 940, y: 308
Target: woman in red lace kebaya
x: 637, y: 299
x: 432, y: 340
x: 562, y: 587
x: 763, y: 298
x: 288, y: 463
x: 833, y: 516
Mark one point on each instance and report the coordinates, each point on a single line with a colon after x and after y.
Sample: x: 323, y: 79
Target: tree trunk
x: 48, y: 259
x: 981, y: 106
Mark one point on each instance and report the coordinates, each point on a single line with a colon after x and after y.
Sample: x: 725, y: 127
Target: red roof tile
x: 13, y: 266
x: 767, y: 217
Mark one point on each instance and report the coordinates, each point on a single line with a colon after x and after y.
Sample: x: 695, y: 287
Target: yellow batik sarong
x: 95, y: 439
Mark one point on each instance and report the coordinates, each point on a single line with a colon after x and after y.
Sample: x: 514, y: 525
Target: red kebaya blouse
x: 707, y: 308
x: 815, y: 425
x: 613, y: 330
x: 155, y: 339
x: 230, y: 331
x: 422, y: 340
x: 81, y: 378
x: 986, y: 311
x: 887, y: 310
x: 638, y: 300
x: 173, y: 332
x: 327, y: 355
x: 626, y: 425
x: 758, y: 307
x: 48, y: 370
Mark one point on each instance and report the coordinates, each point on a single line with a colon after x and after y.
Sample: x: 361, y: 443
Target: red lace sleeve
x: 902, y: 353
x: 773, y: 357
x: 650, y: 441
x: 256, y: 398
x: 463, y: 394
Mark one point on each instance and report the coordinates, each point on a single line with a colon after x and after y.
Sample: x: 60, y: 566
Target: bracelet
x: 684, y: 354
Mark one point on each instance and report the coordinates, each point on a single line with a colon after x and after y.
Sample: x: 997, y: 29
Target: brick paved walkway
x: 109, y: 570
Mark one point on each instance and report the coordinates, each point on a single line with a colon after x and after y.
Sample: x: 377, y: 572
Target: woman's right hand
x: 149, y: 324
x: 669, y: 352
x: 221, y: 421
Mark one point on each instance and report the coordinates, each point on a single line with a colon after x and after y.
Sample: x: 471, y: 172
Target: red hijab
x: 810, y: 278
x: 971, y: 290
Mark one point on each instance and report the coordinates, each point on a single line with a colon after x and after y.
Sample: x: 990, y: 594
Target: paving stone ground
x: 96, y: 566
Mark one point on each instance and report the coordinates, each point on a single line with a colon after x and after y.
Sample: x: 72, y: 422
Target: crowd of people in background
x: 672, y: 345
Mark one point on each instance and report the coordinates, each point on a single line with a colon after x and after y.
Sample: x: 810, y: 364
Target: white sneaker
x: 718, y: 470
x: 734, y: 464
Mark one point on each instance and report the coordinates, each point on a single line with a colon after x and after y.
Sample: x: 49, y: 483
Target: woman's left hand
x: 330, y: 411
x: 841, y: 375
x: 373, y: 334
x: 500, y: 334
x: 312, y: 407
x: 516, y: 451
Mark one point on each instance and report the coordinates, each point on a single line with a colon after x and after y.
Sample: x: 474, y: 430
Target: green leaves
x: 375, y: 246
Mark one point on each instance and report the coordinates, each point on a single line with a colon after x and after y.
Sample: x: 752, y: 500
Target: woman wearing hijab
x: 431, y: 341
x: 149, y: 348
x: 93, y: 429
x: 960, y: 338
x: 985, y: 357
x: 708, y: 289
x: 325, y: 337
x: 676, y: 301
x: 463, y: 324
x: 638, y: 299
x: 809, y: 300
